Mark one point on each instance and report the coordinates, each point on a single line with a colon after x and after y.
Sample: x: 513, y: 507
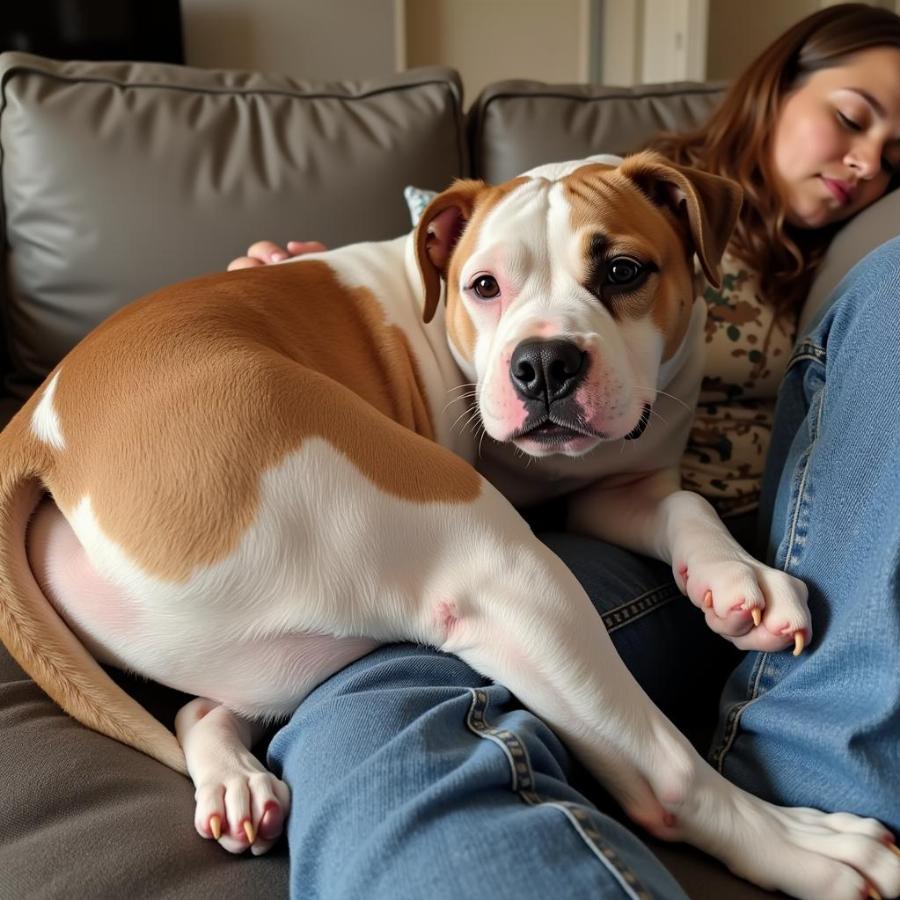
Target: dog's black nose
x: 546, y: 370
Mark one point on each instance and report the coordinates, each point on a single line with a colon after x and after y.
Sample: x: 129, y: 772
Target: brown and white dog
x: 255, y: 477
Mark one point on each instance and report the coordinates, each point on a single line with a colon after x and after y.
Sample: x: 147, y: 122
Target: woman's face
x: 837, y: 138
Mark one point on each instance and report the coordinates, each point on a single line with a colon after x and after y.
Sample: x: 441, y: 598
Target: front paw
x: 750, y: 604
x: 242, y: 807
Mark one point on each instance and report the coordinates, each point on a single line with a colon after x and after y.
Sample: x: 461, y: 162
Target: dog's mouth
x: 552, y: 431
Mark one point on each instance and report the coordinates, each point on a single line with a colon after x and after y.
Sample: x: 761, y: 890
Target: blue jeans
x: 823, y: 729
x: 412, y: 776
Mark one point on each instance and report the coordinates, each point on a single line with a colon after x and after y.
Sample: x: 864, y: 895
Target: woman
x: 380, y: 759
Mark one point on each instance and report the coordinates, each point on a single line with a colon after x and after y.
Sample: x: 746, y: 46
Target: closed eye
x: 848, y: 123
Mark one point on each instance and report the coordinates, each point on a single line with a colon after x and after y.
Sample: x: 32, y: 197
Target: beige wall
x: 622, y: 51
x: 489, y: 40
x: 486, y: 40
x: 738, y: 30
x: 308, y: 39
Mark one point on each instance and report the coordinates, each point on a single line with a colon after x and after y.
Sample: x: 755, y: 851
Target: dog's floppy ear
x: 711, y: 204
x: 438, y: 233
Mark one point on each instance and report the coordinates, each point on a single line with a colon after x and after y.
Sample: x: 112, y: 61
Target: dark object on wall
x: 94, y: 29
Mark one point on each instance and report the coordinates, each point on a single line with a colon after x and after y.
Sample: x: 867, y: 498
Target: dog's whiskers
x: 666, y: 394
x: 478, y: 430
x: 654, y: 413
x: 460, y: 398
x: 476, y: 418
x: 483, y: 431
x: 463, y: 386
x: 466, y: 412
x: 521, y: 454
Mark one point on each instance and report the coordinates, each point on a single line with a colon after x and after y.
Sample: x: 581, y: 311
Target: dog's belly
x: 261, y: 675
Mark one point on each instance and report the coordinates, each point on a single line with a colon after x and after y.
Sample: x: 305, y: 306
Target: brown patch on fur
x: 605, y: 202
x: 706, y: 205
x: 658, y: 213
x: 173, y: 409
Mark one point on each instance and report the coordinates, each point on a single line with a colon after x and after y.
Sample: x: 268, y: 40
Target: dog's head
x: 567, y: 288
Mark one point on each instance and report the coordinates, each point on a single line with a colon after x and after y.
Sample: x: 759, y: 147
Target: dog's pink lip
x: 552, y: 432
x: 842, y: 191
x: 567, y: 442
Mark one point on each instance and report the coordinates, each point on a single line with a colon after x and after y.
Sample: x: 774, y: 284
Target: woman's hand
x: 264, y: 252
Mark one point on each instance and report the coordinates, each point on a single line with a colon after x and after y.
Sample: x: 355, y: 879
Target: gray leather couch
x: 118, y: 178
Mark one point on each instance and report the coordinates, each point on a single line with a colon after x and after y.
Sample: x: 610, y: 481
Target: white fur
x: 555, y: 171
x: 45, y: 421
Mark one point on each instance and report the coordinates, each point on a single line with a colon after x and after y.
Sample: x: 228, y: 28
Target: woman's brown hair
x: 736, y: 141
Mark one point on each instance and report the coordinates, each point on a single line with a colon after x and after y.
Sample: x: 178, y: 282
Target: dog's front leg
x: 753, y: 605
x: 240, y: 803
x: 514, y: 611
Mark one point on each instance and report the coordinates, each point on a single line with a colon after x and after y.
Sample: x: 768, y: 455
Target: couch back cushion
x: 118, y: 178
x: 871, y: 228
x: 515, y: 125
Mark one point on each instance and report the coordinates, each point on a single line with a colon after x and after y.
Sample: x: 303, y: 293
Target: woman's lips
x: 840, y: 190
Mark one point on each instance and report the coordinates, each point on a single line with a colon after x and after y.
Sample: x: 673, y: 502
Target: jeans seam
x: 801, y: 491
x: 648, y: 602
x: 522, y: 782
x: 803, y: 464
x: 733, y: 721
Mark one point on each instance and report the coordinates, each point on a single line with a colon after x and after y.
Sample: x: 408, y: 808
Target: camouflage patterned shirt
x: 747, y: 352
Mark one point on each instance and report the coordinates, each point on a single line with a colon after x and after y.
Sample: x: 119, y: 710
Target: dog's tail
x: 36, y: 636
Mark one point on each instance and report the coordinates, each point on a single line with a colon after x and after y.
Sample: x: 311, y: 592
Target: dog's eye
x: 486, y: 287
x: 623, y: 270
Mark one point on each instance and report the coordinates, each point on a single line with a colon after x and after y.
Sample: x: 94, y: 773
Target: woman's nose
x: 865, y: 157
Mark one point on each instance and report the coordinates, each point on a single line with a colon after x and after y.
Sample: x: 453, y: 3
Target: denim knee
x: 414, y: 777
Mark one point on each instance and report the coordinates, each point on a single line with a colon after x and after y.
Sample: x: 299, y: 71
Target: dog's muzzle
x: 545, y: 375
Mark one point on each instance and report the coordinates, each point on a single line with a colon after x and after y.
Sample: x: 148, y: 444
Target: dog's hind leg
x: 240, y: 803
